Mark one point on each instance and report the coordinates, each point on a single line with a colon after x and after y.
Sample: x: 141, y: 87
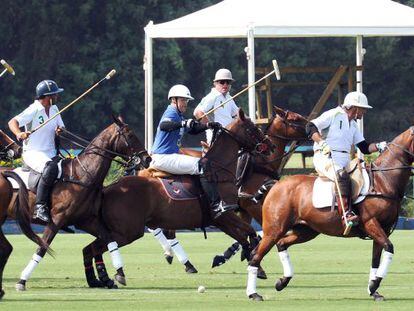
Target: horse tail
x: 23, y: 215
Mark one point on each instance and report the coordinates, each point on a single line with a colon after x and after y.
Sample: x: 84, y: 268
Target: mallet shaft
x: 107, y: 77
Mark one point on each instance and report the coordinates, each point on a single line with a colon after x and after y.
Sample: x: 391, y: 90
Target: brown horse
x: 20, y: 207
x: 9, y: 149
x: 288, y: 206
x: 76, y: 198
x: 137, y: 201
x: 284, y: 127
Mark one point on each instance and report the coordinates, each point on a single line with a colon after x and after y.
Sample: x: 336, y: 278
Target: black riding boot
x: 49, y: 175
x: 217, y: 207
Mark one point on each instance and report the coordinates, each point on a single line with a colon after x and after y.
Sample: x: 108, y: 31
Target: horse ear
x: 241, y: 114
x: 279, y: 111
x: 118, y: 120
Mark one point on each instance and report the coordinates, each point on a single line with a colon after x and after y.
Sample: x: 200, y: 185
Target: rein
x: 124, y: 163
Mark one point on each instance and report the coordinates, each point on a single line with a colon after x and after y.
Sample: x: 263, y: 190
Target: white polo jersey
x: 223, y: 115
x: 339, y: 132
x: 44, y: 139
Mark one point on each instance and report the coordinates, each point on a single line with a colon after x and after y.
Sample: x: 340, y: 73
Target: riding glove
x: 324, y: 147
x: 214, y: 125
x: 381, y: 146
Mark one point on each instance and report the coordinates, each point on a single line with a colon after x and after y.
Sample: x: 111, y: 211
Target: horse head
x: 128, y: 146
x: 287, y: 125
x: 9, y: 149
x: 249, y: 136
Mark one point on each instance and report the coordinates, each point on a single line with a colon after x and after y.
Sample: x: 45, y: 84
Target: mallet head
x: 7, y: 67
x: 276, y: 69
x: 110, y: 74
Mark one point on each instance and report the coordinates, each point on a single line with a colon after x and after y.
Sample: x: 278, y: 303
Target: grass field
x: 331, y: 273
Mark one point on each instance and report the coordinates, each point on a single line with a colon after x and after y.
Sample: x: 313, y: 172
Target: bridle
x: 133, y: 161
x: 288, y: 123
x: 5, y: 152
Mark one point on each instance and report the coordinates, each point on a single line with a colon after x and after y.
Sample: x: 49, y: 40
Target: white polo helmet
x: 356, y: 99
x: 179, y: 90
x: 223, y: 74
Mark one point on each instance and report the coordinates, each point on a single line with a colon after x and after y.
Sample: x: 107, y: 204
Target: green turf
x: 331, y: 274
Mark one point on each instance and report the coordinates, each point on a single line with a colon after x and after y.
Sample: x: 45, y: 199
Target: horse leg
x: 220, y: 259
x: 88, y: 256
x: 263, y: 248
x: 178, y: 250
x: 5, y: 250
x: 159, y: 235
x: 299, y: 234
x: 372, y: 281
x: 49, y: 234
x: 381, y: 241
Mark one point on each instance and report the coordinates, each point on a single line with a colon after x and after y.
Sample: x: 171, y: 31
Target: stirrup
x: 41, y: 213
x: 220, y: 209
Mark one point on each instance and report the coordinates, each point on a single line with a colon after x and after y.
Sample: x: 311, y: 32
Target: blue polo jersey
x: 168, y: 142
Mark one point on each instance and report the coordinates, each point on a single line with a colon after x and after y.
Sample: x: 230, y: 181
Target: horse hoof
x: 189, y: 268
x: 373, y: 285
x: 261, y: 274
x: 255, y: 297
x: 169, y: 259
x: 120, y: 279
x: 218, y: 260
x: 377, y: 297
x: 1, y: 294
x: 21, y: 286
x: 282, y: 283
x: 95, y: 284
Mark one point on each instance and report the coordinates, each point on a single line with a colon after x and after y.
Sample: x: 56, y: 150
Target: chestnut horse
x: 76, y: 198
x: 285, y: 126
x: 138, y: 201
x: 21, y: 211
x: 9, y: 149
x: 288, y: 206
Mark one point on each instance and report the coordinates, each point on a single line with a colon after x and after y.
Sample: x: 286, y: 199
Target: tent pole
x: 359, y: 61
x: 149, y: 102
x: 251, y: 72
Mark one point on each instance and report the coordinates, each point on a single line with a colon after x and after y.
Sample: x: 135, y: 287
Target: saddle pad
x: 24, y: 175
x: 181, y: 187
x: 324, y: 191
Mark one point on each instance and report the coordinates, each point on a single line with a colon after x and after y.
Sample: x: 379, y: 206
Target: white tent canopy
x: 252, y: 19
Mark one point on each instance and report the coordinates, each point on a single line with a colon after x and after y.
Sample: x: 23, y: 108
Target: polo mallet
x: 7, y: 68
x: 275, y: 71
x: 348, y: 225
x: 107, y: 77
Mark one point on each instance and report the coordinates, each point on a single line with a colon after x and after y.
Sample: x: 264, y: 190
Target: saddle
x: 177, y: 187
x: 323, y: 194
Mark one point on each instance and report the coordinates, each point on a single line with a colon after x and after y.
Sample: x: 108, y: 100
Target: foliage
x: 77, y: 42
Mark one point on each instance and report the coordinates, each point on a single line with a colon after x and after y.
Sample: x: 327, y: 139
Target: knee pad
x: 50, y: 173
x: 344, y: 181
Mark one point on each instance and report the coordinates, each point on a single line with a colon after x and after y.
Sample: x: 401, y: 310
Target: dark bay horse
x: 138, y: 201
x: 19, y: 209
x: 290, y: 218
x: 76, y: 198
x: 285, y: 126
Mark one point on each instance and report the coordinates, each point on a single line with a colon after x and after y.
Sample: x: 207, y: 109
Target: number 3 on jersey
x: 41, y: 120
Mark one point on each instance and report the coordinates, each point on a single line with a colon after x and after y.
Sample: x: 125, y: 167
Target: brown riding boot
x: 351, y: 218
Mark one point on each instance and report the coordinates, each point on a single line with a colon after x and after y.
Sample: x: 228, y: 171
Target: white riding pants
x: 37, y: 160
x: 324, y: 166
x: 176, y: 163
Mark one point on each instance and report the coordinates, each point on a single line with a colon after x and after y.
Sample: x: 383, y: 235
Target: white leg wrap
x: 115, y: 255
x: 178, y: 251
x: 373, y: 274
x: 372, y: 277
x: 251, y: 280
x: 384, y: 265
x: 30, y: 267
x: 159, y: 235
x: 287, y: 265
